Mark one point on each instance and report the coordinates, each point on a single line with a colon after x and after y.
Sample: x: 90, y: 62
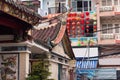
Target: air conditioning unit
x: 106, y: 8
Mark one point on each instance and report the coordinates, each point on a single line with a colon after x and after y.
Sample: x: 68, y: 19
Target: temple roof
x: 51, y: 35
x: 21, y: 12
x: 46, y: 35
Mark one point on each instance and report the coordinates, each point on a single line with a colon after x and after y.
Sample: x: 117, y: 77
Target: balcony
x: 109, y: 38
x: 106, y: 11
x: 53, y: 10
x: 117, y: 38
x: 109, y: 10
x: 83, y: 9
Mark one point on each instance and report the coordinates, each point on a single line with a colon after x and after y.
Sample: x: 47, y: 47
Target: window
x: 104, y: 26
x: 109, y: 2
x: 106, y: 2
x: 116, y: 28
x: 118, y: 1
x: 85, y: 5
x: 81, y: 5
x: 115, y: 2
x: 109, y: 28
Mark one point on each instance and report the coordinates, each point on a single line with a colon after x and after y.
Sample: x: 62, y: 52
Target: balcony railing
x: 52, y: 10
x: 117, y: 36
x: 114, y: 36
x: 106, y: 8
x: 83, y: 9
x: 107, y: 36
x: 110, y: 8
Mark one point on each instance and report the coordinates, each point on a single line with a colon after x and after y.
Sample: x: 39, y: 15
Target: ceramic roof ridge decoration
x: 45, y: 27
x: 43, y: 36
x: 23, y: 8
x: 60, y: 34
x: 21, y: 12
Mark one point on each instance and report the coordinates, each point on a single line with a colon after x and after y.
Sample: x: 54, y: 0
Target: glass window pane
x: 89, y: 5
x: 85, y: 5
x: 109, y: 28
x: 79, y: 5
x: 116, y: 28
x: 104, y: 2
x: 104, y: 26
x: 109, y: 2
x: 74, y: 6
x: 115, y: 2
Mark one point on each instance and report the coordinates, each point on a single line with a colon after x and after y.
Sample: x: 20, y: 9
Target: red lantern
x: 68, y: 24
x: 73, y: 19
x: 78, y: 23
x: 74, y: 14
x: 73, y: 32
x: 95, y: 27
x: 69, y: 15
x: 68, y: 19
x: 87, y: 30
x: 78, y: 32
x: 73, y: 28
x: 87, y: 22
x: 73, y: 23
x: 78, y: 27
x: 68, y: 32
x: 87, y: 13
x: 87, y: 18
x: 87, y: 26
x: 82, y: 15
x: 82, y: 21
x: 82, y: 33
x: 77, y: 18
x: 95, y: 30
x: 68, y: 27
x: 82, y: 27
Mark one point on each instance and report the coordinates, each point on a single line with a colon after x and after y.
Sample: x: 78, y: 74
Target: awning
x: 86, y: 64
x: 86, y: 67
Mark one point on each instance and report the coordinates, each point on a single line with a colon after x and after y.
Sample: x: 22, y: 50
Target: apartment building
x: 81, y: 24
x: 52, y: 7
x: 108, y: 12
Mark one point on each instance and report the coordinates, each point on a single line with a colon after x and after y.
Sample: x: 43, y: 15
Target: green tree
x: 40, y: 69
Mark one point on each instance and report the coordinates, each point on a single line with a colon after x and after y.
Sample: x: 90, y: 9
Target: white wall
x: 80, y: 52
x: 54, y: 70
x: 109, y: 61
x: 44, y: 6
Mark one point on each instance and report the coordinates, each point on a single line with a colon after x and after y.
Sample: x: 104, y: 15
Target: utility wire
x: 106, y: 29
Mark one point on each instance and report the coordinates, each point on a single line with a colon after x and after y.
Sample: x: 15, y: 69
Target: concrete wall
x: 54, y: 70
x: 44, y: 6
x: 23, y: 65
x: 81, y: 52
x: 109, y: 61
